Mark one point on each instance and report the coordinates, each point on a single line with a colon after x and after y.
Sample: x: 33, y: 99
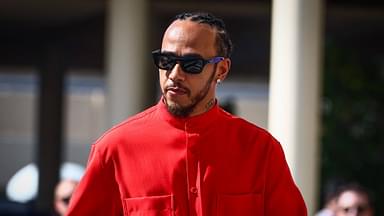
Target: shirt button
x: 194, y: 190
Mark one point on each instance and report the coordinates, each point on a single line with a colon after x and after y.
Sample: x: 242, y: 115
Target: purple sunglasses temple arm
x: 216, y: 59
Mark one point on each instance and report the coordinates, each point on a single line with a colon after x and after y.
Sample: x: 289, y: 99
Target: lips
x: 177, y: 90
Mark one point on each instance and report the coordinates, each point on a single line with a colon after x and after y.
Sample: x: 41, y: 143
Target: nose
x: 176, y: 73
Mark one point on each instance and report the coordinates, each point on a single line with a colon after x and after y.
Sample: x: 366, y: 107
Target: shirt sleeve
x: 97, y: 193
x: 282, y: 197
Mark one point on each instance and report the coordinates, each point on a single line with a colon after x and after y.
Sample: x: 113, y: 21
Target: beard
x: 184, y: 111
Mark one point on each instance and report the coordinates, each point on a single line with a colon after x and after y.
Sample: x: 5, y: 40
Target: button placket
x: 192, y: 172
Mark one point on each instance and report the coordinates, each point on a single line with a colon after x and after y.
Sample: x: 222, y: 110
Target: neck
x: 204, y: 108
x: 210, y: 104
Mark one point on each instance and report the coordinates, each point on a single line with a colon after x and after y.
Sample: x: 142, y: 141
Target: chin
x: 178, y: 109
x: 176, y: 100
x: 173, y: 103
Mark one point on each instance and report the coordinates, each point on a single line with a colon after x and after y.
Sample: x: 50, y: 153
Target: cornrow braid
x: 223, y: 42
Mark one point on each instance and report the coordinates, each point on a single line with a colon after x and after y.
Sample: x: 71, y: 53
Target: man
x: 63, y: 192
x: 186, y: 156
x: 353, y: 200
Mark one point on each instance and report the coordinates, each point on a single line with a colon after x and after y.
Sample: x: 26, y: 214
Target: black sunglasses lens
x: 167, y: 62
x: 164, y: 62
x: 193, y: 66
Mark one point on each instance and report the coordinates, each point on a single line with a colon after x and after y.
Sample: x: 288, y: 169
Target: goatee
x: 184, y: 111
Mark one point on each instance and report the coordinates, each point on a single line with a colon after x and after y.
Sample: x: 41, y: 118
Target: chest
x: 190, y: 171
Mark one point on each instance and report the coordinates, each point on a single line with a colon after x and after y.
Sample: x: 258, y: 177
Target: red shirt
x: 211, y: 164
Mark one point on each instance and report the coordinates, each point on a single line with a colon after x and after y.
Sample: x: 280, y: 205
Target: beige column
x: 294, y: 89
x: 126, y: 58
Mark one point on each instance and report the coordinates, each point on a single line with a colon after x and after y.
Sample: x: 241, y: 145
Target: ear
x: 223, y: 69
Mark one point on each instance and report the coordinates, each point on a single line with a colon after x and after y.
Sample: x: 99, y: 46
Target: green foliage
x: 353, y: 120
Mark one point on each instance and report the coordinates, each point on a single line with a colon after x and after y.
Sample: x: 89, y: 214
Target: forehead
x: 351, y: 198
x: 184, y: 36
x: 66, y: 187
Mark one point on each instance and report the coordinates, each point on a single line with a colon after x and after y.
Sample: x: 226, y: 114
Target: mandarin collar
x: 194, y: 123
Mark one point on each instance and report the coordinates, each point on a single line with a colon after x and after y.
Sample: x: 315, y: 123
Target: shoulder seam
x: 229, y: 115
x: 130, y: 119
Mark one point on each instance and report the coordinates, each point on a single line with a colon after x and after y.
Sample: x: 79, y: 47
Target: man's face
x: 351, y: 203
x: 188, y: 94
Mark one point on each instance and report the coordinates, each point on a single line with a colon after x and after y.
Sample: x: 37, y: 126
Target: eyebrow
x: 192, y: 55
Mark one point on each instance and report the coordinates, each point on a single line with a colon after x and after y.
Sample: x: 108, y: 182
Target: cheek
x: 199, y: 85
x: 162, y: 79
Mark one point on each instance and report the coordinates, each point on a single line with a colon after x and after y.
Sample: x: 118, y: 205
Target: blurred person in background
x: 63, y: 193
x: 330, y: 206
x: 22, y: 187
x: 354, y: 200
x: 330, y: 197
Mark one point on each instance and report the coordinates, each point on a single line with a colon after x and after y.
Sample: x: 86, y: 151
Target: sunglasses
x: 189, y: 64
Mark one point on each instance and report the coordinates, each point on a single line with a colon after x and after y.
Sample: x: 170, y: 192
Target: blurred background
x: 71, y: 69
